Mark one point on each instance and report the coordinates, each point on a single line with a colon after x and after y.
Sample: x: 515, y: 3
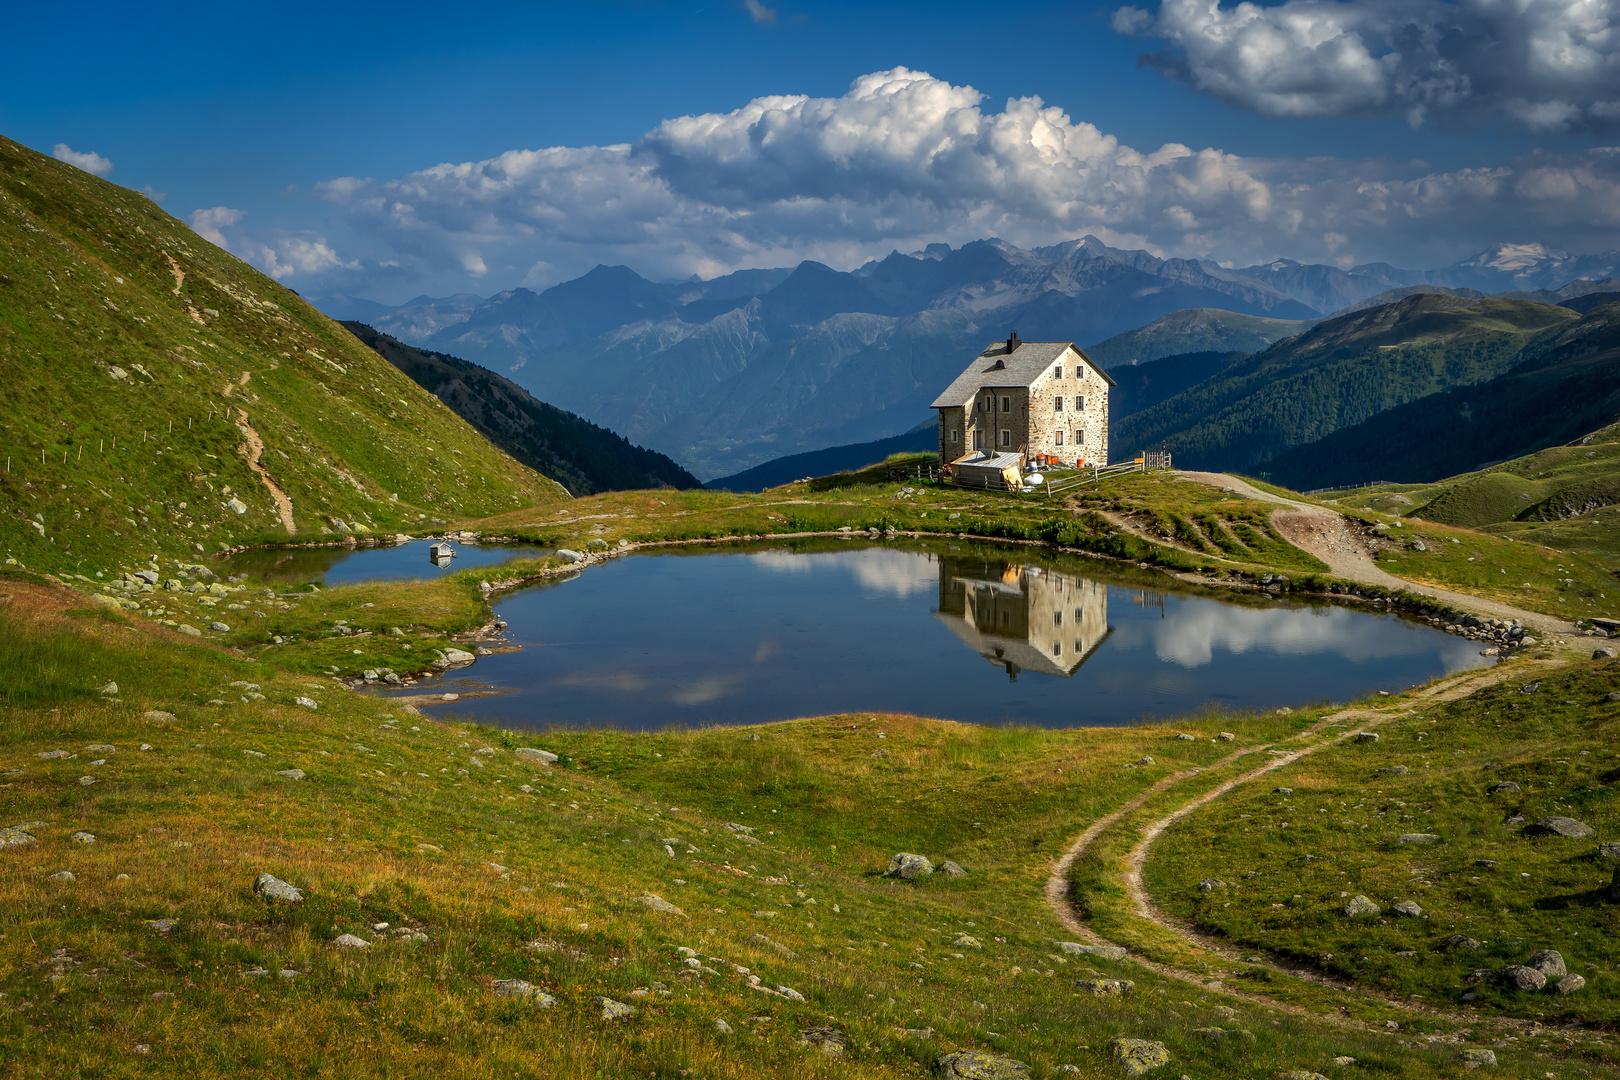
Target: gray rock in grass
x: 1519, y: 977
x: 1359, y: 906
x: 1407, y: 908
x: 273, y: 888
x: 1136, y: 1057
x: 909, y: 867
x: 1550, y: 962
x: 1560, y: 826
x: 1569, y: 984
x: 972, y: 1065
x: 1478, y: 1056
x: 614, y: 1010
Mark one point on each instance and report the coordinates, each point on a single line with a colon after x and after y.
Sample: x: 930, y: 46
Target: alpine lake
x: 961, y: 630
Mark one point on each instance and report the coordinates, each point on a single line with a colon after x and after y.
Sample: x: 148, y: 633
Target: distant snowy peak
x: 1526, y: 266
x: 1512, y: 258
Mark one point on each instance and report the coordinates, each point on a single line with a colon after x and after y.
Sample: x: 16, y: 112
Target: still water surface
x: 980, y: 633
x: 346, y: 566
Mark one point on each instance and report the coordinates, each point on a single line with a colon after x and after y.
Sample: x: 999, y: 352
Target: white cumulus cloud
x: 1546, y: 65
x: 278, y: 252
x: 88, y: 160
x: 211, y: 223
x: 904, y: 159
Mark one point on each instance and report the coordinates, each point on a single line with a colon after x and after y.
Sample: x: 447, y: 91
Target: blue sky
x: 300, y: 133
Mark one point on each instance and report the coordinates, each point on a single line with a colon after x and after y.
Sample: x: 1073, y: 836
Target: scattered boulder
x: 1101, y: 952
x: 1463, y: 942
x: 83, y: 838
x: 1474, y: 1058
x: 722, y: 1027
x: 349, y: 941
x: 15, y: 837
x: 1366, y: 736
x: 952, y: 870
x: 1282, y: 791
x: 219, y: 627
x: 1569, y: 984
x: 1300, y: 1074
x: 1550, y: 962
x: 828, y: 1040
x: 1407, y: 908
x: 1394, y: 770
x: 1614, y: 886
x: 1604, y: 654
x: 273, y: 888
x: 1560, y: 826
x: 64, y: 876
x: 308, y: 703
x: 292, y: 774
x: 1506, y: 787
x: 1359, y: 905
x: 1218, y: 1033
x: 909, y: 866
x: 972, y: 1065
x: 107, y: 688
x: 1138, y: 1056
x: 660, y: 905
x: 967, y: 941
x: 1609, y: 849
x: 532, y: 756
x: 1105, y: 987
x: 1519, y: 977
x: 1414, y: 838
x: 614, y: 1010
x: 158, y: 716
x: 519, y: 989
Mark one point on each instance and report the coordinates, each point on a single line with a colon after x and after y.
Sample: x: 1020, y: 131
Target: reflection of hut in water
x: 1023, y: 618
x: 441, y: 554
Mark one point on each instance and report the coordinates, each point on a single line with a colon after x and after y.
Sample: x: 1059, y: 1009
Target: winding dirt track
x: 1329, y: 537
x: 252, y: 449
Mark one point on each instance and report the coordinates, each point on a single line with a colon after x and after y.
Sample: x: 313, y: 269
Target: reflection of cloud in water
x: 880, y: 570
x: 706, y: 690
x: 627, y: 681
x: 767, y: 649
x: 1197, y: 630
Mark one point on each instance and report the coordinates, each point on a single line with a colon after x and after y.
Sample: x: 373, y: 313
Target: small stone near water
x: 1560, y: 826
x: 1407, y: 908
x: 614, y: 1010
x: 1226, y: 736
x: 349, y: 941
x: 909, y: 867
x: 1506, y: 787
x: 292, y: 774
x: 1550, y: 962
x: 660, y: 905
x: 722, y: 1027
x: 951, y: 869
x: 828, y: 1040
x: 1478, y: 1056
x: 273, y: 888
x: 1138, y: 1056
x: 1569, y: 984
x: 64, y: 876
x: 1184, y: 737
x: 1359, y: 905
x: 1519, y: 977
x: 972, y: 1065
x: 1412, y: 838
x: 535, y: 757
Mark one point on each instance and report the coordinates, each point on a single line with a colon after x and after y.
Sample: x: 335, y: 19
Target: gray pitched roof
x: 996, y: 368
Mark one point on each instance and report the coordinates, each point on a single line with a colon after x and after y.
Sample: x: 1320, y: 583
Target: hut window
x: 1057, y: 403
x: 1057, y: 372
x: 956, y: 436
x: 1060, y: 438
x: 1006, y: 404
x: 1006, y: 437
x: 1057, y: 618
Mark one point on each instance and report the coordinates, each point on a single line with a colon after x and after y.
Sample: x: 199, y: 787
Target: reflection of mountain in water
x: 1023, y: 618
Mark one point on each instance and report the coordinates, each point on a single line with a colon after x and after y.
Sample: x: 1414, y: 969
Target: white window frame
x: 956, y: 435
x: 1006, y: 436
x: 1057, y: 373
x: 1059, y: 437
x: 1006, y: 404
x: 1057, y: 403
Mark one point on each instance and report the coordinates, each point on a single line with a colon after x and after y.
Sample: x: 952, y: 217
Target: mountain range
x: 727, y: 373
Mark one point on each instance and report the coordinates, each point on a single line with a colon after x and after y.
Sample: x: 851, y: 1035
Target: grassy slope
x: 1523, y: 499
x: 571, y: 450
x: 87, y: 286
x: 1335, y: 375
x: 1566, y: 384
x: 440, y: 830
x: 1290, y: 858
x: 1194, y: 330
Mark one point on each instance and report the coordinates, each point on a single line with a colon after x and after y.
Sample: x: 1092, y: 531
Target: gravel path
x: 1333, y: 539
